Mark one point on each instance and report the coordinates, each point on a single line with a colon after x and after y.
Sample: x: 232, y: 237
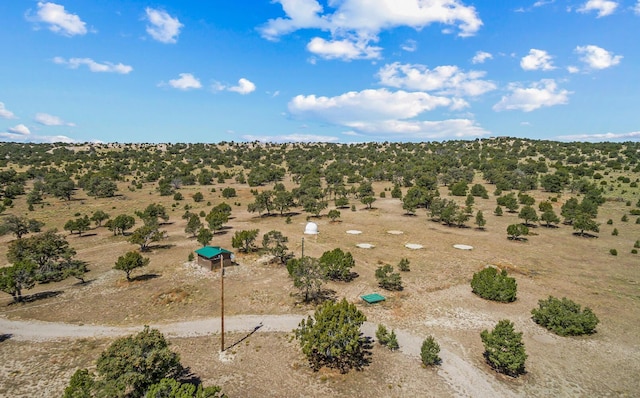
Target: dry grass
x: 436, y: 299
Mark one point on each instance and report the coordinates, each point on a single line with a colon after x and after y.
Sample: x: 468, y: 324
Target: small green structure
x: 209, y: 257
x: 373, y: 298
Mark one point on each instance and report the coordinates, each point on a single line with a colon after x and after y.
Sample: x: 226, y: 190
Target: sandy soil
x: 436, y: 301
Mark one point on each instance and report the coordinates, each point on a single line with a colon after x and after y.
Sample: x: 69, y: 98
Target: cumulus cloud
x: 20, y: 129
x: 290, y: 138
x: 603, y: 7
x: 539, y: 94
x: 108, y: 67
x: 50, y: 120
x: 21, y: 133
x: 636, y: 8
x: 601, y: 137
x: 58, y: 19
x: 343, y: 49
x: 537, y: 60
x: 424, y: 130
x: 480, y: 57
x: 597, y: 57
x: 446, y: 79
x: 573, y: 69
x: 381, y: 112
x: 5, y: 113
x: 186, y: 81
x: 244, y: 86
x: 162, y: 26
x: 369, y: 104
x: 352, y: 24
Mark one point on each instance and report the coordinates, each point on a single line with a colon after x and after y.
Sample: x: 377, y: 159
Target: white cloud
x: 21, y: 133
x: 162, y: 26
x: 439, y: 129
x: 75, y: 63
x: 353, y: 24
x: 244, y: 87
x: 480, y: 57
x: 20, y: 129
x: 445, y: 79
x: 636, y: 8
x: 573, y: 69
x: 381, y: 112
x: 597, y: 58
x: 353, y: 106
x: 600, y: 137
x: 51, y: 120
x: 541, y: 3
x: 58, y: 19
x: 539, y: 94
x: 5, y: 113
x: 410, y: 46
x: 537, y: 60
x: 345, y: 49
x: 186, y: 81
x: 603, y: 7
x: 290, y: 138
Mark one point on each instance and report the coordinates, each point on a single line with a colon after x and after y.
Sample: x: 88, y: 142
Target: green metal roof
x: 211, y: 251
x: 372, y: 298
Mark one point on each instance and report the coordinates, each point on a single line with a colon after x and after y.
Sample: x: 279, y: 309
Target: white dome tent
x: 311, y: 229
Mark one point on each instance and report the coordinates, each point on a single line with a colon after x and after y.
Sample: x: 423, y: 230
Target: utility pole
x: 221, y: 302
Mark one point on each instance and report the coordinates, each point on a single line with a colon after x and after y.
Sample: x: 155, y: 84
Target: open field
x: 436, y: 299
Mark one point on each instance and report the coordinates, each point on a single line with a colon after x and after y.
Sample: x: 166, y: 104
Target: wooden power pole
x: 221, y: 302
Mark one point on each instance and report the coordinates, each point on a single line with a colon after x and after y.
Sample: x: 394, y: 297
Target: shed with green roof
x: 210, y: 257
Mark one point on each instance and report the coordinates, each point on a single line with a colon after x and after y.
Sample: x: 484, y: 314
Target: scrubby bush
x: 429, y: 352
x: 564, y: 317
x: 390, y: 340
x: 403, y: 265
x: 387, y: 279
x: 504, y: 349
x: 491, y: 285
x: 613, y: 252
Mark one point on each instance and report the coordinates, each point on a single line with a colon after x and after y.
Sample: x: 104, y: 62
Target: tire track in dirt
x: 463, y: 377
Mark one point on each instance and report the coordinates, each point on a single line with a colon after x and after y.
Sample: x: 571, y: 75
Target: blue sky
x: 311, y: 70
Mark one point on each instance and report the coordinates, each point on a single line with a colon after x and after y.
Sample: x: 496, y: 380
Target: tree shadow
x: 38, y: 296
x: 86, y: 235
x: 518, y: 239
x: 584, y: 235
x: 550, y: 226
x: 145, y: 277
x: 187, y: 376
x: 407, y: 214
x: 84, y: 283
x: 167, y: 246
x: 320, y: 297
x: 255, y: 329
x: 5, y: 336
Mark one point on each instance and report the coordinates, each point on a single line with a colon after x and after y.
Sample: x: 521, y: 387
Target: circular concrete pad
x: 463, y: 247
x: 394, y: 232
x: 413, y: 246
x: 365, y: 245
x: 354, y: 232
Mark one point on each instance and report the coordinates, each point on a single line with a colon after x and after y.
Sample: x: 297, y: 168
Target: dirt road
x: 464, y: 378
